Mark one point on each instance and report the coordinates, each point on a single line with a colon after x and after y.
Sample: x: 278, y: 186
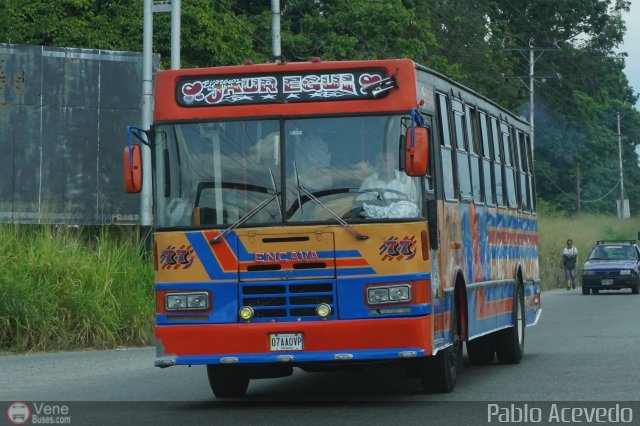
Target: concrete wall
x: 63, y: 114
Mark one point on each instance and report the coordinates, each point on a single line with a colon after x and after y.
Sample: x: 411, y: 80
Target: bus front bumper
x: 323, y: 341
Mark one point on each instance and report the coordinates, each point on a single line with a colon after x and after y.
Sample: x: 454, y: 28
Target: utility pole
x: 275, y: 31
x: 578, y: 189
x: 623, y: 205
x: 146, y: 203
x: 532, y: 77
x: 175, y: 34
x: 149, y: 8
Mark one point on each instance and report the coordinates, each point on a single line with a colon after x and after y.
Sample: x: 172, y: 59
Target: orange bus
x: 328, y: 214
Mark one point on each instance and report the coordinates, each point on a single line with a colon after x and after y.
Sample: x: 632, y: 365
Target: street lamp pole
x: 146, y: 204
x: 621, y: 209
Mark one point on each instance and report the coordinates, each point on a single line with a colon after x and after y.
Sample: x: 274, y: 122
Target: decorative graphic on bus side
x: 181, y: 258
x: 394, y: 249
x: 214, y: 90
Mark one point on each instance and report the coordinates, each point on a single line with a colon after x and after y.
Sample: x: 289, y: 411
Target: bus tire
x: 510, y: 342
x: 480, y: 350
x: 228, y: 381
x: 439, y: 373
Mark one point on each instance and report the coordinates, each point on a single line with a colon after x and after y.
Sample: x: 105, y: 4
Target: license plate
x: 286, y: 342
x: 607, y: 282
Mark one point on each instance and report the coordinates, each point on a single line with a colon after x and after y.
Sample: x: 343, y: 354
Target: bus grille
x: 287, y: 301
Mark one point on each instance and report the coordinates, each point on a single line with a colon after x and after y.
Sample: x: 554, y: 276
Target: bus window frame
x: 496, y: 161
x: 471, y: 113
x: 507, y: 166
x: 484, y: 132
x: 444, y: 146
x: 457, y: 110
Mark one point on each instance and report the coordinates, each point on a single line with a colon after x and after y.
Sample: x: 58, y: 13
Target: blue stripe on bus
x: 485, y: 254
x: 203, y: 250
x: 467, y: 242
x: 271, y: 357
x: 502, y: 220
x: 513, y: 252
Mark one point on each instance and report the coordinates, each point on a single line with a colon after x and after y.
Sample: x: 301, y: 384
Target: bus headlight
x: 246, y: 313
x: 323, y: 310
x: 176, y: 302
x: 399, y: 293
x: 187, y: 301
x: 389, y: 294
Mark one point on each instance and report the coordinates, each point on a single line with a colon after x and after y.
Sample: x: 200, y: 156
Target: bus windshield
x: 214, y: 173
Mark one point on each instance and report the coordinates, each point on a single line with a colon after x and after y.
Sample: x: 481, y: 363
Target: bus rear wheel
x: 228, y: 381
x: 480, y: 350
x: 510, y: 342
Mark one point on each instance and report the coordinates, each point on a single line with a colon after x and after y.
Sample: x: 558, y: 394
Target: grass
x: 553, y: 233
x: 63, y: 288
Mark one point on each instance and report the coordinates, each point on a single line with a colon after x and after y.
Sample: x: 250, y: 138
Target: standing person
x: 569, y: 260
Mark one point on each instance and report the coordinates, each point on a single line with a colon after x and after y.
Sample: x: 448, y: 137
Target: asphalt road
x: 585, y: 351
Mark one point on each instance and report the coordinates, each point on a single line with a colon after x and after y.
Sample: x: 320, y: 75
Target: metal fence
x: 63, y: 113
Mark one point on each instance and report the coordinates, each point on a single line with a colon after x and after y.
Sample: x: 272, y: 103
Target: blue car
x: 612, y: 265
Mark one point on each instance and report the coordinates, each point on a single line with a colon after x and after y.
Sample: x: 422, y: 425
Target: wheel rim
x: 520, y: 321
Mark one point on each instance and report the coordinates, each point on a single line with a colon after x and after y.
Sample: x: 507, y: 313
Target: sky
x: 631, y: 45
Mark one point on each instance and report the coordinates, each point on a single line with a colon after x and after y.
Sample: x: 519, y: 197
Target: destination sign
x: 260, y: 89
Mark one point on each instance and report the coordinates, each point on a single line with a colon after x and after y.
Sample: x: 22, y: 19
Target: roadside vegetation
x: 555, y: 230
x: 66, y: 288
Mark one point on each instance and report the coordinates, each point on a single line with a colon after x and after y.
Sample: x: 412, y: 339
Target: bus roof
x: 296, y: 89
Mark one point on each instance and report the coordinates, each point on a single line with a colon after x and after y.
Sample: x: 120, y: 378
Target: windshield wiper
x: 249, y: 215
x: 306, y: 192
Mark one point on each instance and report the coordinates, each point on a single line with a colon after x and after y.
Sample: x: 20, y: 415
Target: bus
x: 328, y: 215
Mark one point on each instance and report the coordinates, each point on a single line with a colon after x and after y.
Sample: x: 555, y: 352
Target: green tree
x: 212, y: 34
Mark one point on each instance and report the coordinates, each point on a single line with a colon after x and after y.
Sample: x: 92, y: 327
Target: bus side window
x: 473, y: 148
x: 530, y: 176
x: 445, y: 152
x: 488, y: 188
x: 496, y: 159
x: 462, y: 158
x: 521, y: 154
x: 428, y: 178
x: 507, y: 165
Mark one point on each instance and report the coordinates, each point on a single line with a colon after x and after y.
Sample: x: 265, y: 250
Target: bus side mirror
x: 416, y: 151
x: 132, y: 166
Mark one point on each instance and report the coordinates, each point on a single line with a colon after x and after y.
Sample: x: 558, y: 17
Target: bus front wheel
x: 438, y: 373
x: 228, y: 381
